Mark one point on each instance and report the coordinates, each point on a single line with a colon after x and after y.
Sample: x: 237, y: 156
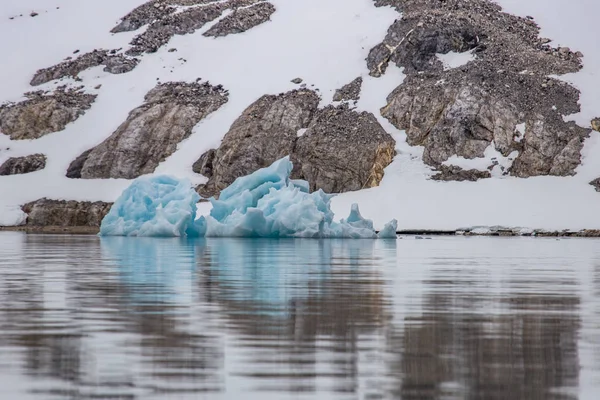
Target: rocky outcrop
x: 596, y: 124
x: 151, y: 132
x: 74, y: 170
x: 350, y: 91
x: 166, y: 23
x: 242, y: 20
x: 23, y: 165
x: 113, y: 63
x: 43, y: 113
x: 342, y: 150
x: 454, y: 173
x: 45, y: 212
x: 265, y: 132
x: 463, y: 110
x: 596, y: 184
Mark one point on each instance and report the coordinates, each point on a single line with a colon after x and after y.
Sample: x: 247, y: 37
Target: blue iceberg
x: 266, y: 203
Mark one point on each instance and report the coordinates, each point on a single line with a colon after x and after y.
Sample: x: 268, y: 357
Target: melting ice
x: 266, y: 203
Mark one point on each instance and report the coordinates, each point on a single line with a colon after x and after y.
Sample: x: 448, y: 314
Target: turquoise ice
x: 266, y: 203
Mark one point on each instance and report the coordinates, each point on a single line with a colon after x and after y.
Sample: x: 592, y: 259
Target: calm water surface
x: 450, y: 318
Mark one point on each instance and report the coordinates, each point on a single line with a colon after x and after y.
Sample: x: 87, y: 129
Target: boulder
x: 342, y: 150
x: 265, y: 132
x: 23, y: 165
x: 43, y: 113
x: 45, y: 212
x: 596, y: 124
x: 151, y: 132
x: 242, y: 20
x: 350, y: 91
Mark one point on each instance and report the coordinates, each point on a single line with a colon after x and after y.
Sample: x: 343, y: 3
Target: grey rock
x: 114, y: 64
x: 297, y: 81
x: 23, y: 165
x: 151, y: 132
x: 350, y: 91
x: 596, y: 184
x: 45, y: 212
x: 242, y: 20
x: 204, y: 165
x: 144, y: 15
x: 460, y: 111
x: 454, y: 173
x: 41, y: 114
x: 342, y: 150
x: 161, y: 31
x: 74, y: 170
x: 266, y: 131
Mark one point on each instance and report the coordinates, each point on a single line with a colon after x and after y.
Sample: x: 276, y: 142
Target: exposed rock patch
x: 41, y: 114
x: 342, y: 151
x: 596, y: 124
x: 23, y: 165
x: 461, y: 111
x: 151, y: 132
x: 265, y: 132
x: 242, y: 20
x: 45, y: 212
x: 596, y: 184
x: 167, y: 19
x: 113, y: 63
x: 454, y: 173
x: 350, y: 91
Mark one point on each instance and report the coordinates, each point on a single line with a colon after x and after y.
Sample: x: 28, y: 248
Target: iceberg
x: 266, y: 203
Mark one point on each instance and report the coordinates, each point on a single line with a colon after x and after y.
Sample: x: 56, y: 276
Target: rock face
x: 454, y: 173
x: 350, y: 91
x: 45, y: 212
x: 596, y: 184
x: 265, y: 132
x: 151, y: 132
x: 242, y: 20
x: 23, y: 165
x: 342, y: 151
x: 114, y: 64
x: 42, y: 114
x: 463, y: 110
x: 166, y: 23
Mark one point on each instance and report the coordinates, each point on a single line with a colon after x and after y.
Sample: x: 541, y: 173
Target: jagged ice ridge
x: 266, y: 203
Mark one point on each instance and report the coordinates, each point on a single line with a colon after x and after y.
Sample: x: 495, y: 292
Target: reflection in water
x: 83, y: 317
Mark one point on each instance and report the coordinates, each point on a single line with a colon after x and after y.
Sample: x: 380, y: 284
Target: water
x: 449, y: 318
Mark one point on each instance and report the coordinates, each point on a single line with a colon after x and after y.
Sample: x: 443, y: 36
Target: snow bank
x: 266, y: 203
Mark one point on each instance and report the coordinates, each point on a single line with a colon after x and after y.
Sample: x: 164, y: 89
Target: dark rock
x: 161, y: 31
x: 152, y: 131
x: 45, y: 212
x: 265, y: 132
x: 34, y: 14
x: 342, y: 150
x: 23, y: 165
x: 74, y: 170
x: 242, y: 20
x: 297, y: 81
x: 204, y: 165
x: 42, y: 114
x: 114, y: 64
x: 596, y: 184
x: 350, y: 91
x: 144, y: 15
x: 454, y: 173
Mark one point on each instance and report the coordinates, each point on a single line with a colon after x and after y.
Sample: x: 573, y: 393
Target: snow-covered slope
x: 323, y: 41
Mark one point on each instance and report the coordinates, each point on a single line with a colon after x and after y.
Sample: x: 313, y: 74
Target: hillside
x: 440, y: 115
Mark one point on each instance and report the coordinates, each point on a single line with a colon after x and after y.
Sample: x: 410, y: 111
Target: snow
x: 453, y: 59
x: 266, y: 203
x: 491, y: 158
x: 325, y: 42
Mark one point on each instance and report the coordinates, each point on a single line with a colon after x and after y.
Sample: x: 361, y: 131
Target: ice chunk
x: 156, y: 206
x: 389, y: 230
x: 266, y: 203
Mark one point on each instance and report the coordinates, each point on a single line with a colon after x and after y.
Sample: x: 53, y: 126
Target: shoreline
x: 479, y: 231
